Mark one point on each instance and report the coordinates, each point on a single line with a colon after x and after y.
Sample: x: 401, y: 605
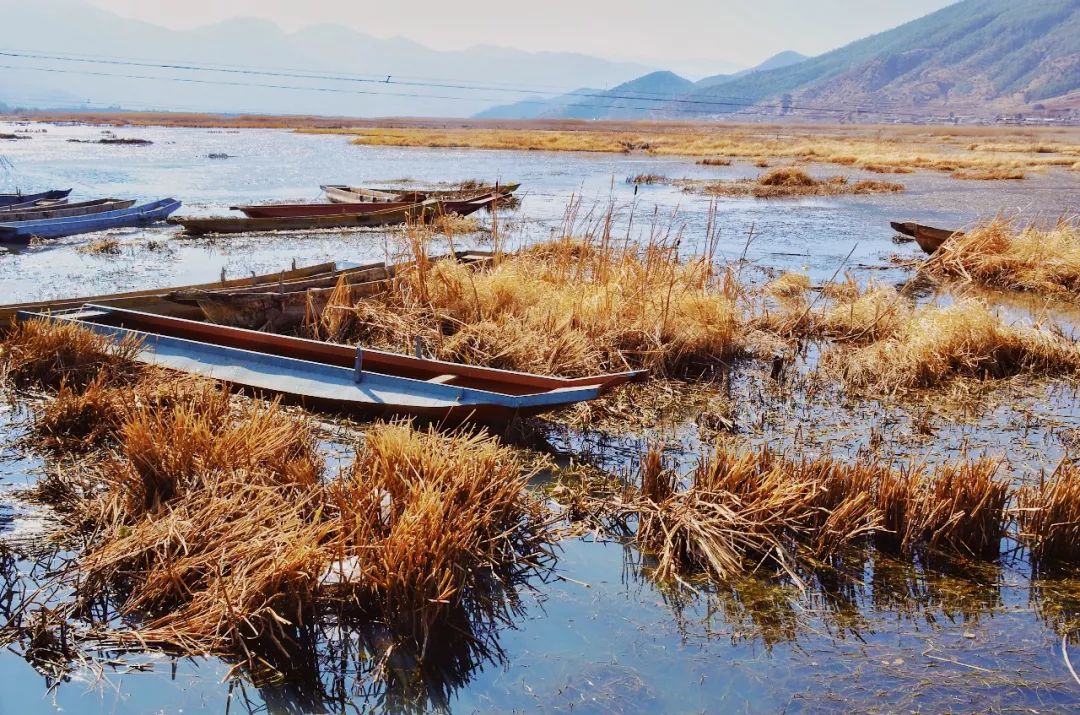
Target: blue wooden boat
x: 21, y: 232
x: 340, y: 378
x: 18, y: 198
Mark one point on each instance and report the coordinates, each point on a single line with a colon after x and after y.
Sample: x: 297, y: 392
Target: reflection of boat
x: 339, y: 193
x: 288, y: 304
x: 461, y: 207
x: 384, y: 217
x: 928, y: 237
x: 23, y: 231
x: 8, y: 199
x: 65, y: 210
x: 341, y: 377
x: 154, y: 300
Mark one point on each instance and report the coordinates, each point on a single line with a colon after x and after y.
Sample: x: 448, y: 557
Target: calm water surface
x: 598, y: 636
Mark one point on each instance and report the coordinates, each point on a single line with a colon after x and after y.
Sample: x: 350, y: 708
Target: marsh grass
x: 996, y: 174
x: 742, y: 510
x: 792, y: 181
x: 101, y: 247
x: 568, y: 307
x: 44, y: 354
x: 1000, y: 254
x: 934, y: 345
x: 1049, y: 518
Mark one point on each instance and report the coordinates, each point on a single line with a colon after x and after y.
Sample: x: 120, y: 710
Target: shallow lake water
x: 597, y: 635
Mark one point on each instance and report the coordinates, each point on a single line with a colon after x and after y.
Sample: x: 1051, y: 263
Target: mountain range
x: 977, y: 57
x: 73, y: 27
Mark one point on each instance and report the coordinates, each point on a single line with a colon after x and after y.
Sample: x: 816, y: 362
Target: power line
x: 731, y: 103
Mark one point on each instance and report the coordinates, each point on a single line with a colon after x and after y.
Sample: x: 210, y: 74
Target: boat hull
x: 86, y: 208
x: 322, y: 375
x: 9, y: 199
x: 375, y: 219
x: 22, y: 232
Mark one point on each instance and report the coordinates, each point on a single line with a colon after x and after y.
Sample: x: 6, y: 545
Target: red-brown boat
x: 462, y: 207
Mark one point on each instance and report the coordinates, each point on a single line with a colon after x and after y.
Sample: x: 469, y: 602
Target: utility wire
x: 719, y: 101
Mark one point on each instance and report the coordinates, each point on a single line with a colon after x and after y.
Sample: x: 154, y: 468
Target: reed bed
x: 48, y: 355
x: 568, y: 308
x: 212, y: 522
x: 997, y: 174
x: 935, y: 345
x: 1001, y: 255
x: 1049, y: 518
x: 740, y: 511
x: 791, y: 181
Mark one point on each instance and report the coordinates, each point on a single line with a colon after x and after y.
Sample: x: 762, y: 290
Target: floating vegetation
x: 793, y: 181
x: 1000, y: 255
x: 647, y: 179
x: 101, y: 247
x: 999, y: 174
x: 110, y: 140
x: 714, y: 161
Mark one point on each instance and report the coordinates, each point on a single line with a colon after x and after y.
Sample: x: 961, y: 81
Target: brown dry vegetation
x: 1049, y: 517
x: 743, y: 510
x: 567, y: 308
x: 213, y: 524
x: 793, y: 181
x: 994, y: 174
x: 1000, y: 255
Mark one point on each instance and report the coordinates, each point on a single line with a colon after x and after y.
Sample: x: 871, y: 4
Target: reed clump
x: 1001, y: 255
x: 567, y: 307
x: 793, y: 181
x: 742, y: 510
x: 1049, y: 518
x: 934, y: 345
x: 45, y: 354
x: 995, y: 174
x: 101, y: 247
x: 788, y: 285
x: 844, y: 313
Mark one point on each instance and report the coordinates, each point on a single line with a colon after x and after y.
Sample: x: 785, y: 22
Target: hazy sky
x: 662, y: 32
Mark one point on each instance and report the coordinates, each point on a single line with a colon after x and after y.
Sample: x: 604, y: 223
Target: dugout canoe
x: 340, y: 378
x: 374, y: 219
x: 287, y: 305
x: 343, y: 194
x: 155, y: 300
x: 462, y: 207
x: 19, y: 198
x: 929, y: 238
x: 82, y: 208
x: 22, y: 232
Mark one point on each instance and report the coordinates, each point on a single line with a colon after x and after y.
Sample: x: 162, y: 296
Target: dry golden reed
x: 1049, y: 517
x: 47, y: 354
x: 792, y: 181
x: 1000, y: 255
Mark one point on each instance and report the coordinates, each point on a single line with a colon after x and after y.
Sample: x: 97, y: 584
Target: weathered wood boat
x: 462, y: 207
x: 82, y: 208
x: 374, y: 219
x: 287, y: 305
x: 340, y: 378
x: 929, y: 238
x: 154, y: 300
x: 39, y: 203
x: 343, y: 194
x: 19, y: 198
x: 22, y: 232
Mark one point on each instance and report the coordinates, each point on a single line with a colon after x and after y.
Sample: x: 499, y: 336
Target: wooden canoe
x: 340, y: 378
x: 929, y: 238
x: 9, y: 199
x: 82, y: 208
x: 22, y: 232
x: 462, y: 207
x: 39, y: 203
x: 340, y: 193
x: 287, y: 305
x: 155, y: 300
x: 374, y: 219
